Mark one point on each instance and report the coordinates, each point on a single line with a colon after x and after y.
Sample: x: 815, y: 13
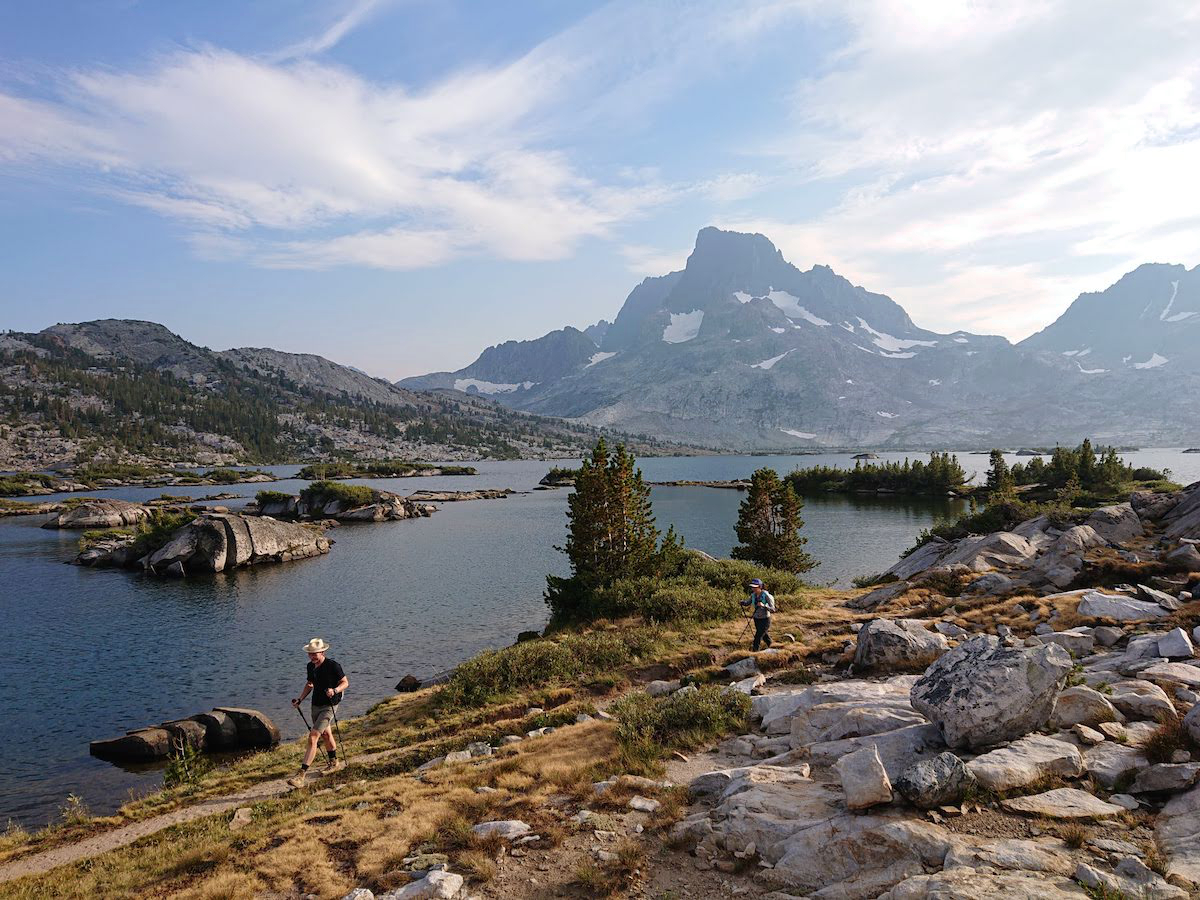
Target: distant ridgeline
x: 134, y: 387
x: 941, y: 475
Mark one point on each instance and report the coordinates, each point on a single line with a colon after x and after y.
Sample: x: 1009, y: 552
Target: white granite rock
x: 1063, y: 803
x: 864, y: 780
x: 1025, y: 762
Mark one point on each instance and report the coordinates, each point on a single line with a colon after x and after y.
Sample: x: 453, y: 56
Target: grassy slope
x: 274, y: 852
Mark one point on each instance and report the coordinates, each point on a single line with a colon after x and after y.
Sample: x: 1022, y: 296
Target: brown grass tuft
x: 1169, y: 736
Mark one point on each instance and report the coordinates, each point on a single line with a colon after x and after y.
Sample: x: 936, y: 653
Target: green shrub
x: 24, y: 483
x: 648, y: 726
x: 264, y: 497
x: 223, y: 476
x: 186, y: 766
x: 154, y: 531
x: 734, y: 575
x: 321, y: 492
x: 697, y: 590
x: 495, y: 673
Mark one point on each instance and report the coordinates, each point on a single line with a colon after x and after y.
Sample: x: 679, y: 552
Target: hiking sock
x: 303, y: 767
x: 332, y: 754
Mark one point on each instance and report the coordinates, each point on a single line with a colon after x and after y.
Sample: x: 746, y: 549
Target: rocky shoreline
x: 276, y: 528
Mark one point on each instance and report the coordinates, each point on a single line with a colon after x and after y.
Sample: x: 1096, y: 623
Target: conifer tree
x: 610, y: 523
x: 769, y: 523
x: 1000, y: 481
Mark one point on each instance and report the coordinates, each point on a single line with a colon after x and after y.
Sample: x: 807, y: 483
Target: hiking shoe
x: 297, y: 780
x: 331, y: 765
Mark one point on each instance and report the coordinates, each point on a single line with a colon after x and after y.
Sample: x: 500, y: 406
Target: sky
x: 396, y: 184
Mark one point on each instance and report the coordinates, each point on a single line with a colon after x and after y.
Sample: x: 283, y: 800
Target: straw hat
x: 316, y: 645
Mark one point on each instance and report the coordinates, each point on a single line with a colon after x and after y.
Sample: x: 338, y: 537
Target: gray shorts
x: 322, y: 718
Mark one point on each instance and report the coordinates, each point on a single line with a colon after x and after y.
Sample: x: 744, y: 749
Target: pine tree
x: 1000, y: 481
x: 1087, y: 463
x: 610, y: 530
x: 769, y: 523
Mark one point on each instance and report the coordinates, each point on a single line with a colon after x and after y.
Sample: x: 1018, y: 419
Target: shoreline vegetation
x: 386, y: 468
x: 564, y: 733
x: 101, y: 476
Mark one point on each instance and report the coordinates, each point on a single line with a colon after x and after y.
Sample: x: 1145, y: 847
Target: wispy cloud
x: 357, y: 13
x: 300, y: 163
x: 998, y: 158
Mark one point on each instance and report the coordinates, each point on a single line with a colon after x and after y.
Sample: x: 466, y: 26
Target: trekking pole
x: 746, y: 616
x: 341, y: 744
x: 307, y: 727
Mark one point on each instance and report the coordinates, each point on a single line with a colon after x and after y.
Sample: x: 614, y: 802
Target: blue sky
x: 396, y: 184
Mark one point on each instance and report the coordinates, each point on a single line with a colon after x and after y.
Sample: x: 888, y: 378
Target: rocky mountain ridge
x: 743, y: 350
x: 133, y: 391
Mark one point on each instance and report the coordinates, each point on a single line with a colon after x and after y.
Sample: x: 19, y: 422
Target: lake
x: 93, y: 653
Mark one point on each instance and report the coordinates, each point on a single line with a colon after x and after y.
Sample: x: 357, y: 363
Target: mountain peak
x: 716, y: 248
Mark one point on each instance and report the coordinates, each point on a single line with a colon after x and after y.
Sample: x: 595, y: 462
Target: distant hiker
x: 763, y: 604
x: 326, y: 682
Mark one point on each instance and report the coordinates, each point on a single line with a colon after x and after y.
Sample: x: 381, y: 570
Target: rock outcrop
x: 90, y: 513
x: 221, y: 730
x: 981, y: 693
x: 903, y: 646
x: 382, y: 506
x: 217, y: 542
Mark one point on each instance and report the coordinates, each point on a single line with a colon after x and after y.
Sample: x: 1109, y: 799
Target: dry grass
x: 1074, y: 834
x: 305, y: 843
x: 1169, y: 736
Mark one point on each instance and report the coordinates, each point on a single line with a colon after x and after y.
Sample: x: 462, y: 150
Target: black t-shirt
x: 322, y: 678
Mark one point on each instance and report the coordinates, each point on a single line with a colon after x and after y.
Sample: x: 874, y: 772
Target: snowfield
x: 683, y: 327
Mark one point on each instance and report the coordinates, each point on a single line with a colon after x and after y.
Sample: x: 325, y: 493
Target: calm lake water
x: 92, y: 653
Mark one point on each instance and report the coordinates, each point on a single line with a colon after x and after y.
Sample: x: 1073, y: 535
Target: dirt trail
x: 37, y: 863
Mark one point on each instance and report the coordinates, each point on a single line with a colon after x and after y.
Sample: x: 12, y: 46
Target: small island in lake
x: 379, y: 468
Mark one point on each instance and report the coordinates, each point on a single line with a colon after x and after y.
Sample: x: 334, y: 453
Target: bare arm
x: 304, y: 693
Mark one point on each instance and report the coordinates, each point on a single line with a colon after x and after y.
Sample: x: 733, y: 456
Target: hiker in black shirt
x: 326, y: 682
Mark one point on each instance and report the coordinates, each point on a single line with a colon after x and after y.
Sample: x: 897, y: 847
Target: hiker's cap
x: 756, y: 582
x: 316, y: 645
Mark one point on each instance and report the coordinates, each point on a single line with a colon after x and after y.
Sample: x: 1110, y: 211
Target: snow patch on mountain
x: 489, y: 387
x: 779, y: 330
x: 799, y: 434
x: 887, y: 415
x: 1091, y: 371
x: 770, y: 363
x: 961, y: 341
x: 599, y: 358
x: 935, y: 381
x: 897, y: 355
x: 885, y: 341
x: 742, y: 297
x: 683, y: 326
x: 790, y: 306
x: 1162, y: 316
x: 1152, y: 363
x: 1077, y: 352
